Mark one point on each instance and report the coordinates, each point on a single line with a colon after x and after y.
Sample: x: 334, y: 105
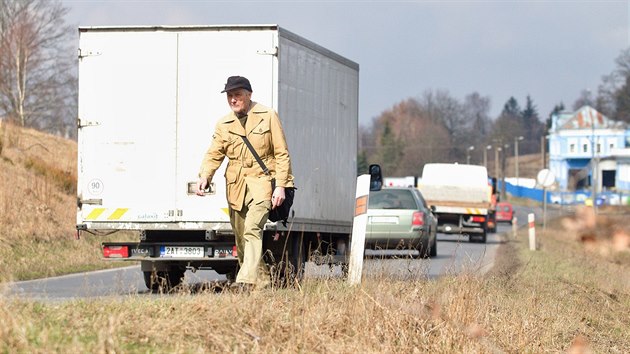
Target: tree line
x: 38, y: 88
x: 437, y: 127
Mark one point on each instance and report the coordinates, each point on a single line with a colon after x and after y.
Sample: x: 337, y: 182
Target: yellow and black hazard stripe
x: 475, y: 211
x: 101, y: 213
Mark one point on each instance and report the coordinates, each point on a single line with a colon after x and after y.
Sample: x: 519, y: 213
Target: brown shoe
x: 241, y: 288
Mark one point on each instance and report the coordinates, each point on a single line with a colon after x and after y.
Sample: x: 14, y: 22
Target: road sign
x: 546, y: 178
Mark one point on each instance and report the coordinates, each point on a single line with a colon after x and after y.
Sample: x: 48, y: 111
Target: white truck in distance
x: 461, y: 197
x: 149, y: 99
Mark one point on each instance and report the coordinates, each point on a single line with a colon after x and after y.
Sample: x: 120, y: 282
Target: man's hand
x: 201, y: 186
x: 278, y: 197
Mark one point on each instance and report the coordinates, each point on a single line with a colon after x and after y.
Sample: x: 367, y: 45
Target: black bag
x: 280, y: 213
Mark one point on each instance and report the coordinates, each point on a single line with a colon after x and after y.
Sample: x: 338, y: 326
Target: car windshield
x: 392, y: 199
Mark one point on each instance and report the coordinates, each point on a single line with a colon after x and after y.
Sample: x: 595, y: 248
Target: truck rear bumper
x: 198, y: 252
x: 455, y: 229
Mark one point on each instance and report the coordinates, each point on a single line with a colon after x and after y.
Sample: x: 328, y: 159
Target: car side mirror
x: 376, y: 178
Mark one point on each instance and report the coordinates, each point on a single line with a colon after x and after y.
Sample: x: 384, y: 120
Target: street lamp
x: 485, y: 156
x: 470, y: 148
x: 503, y: 160
x: 496, y: 162
x: 516, y: 140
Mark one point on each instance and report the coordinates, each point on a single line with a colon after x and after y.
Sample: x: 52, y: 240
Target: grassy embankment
x: 38, y: 207
x: 571, y: 295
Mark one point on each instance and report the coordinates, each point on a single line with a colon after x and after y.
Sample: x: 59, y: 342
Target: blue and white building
x: 586, y: 147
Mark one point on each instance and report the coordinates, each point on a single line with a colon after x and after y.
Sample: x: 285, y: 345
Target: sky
x: 549, y: 50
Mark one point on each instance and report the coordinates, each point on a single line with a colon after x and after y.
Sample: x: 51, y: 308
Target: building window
x: 572, y: 148
x: 584, y: 147
x: 599, y: 148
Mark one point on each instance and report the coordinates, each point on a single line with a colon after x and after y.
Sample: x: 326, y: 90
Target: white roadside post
x: 359, y: 225
x: 514, y: 227
x: 532, y: 232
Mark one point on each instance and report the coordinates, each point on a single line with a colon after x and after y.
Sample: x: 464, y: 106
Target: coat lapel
x: 234, y: 126
x: 253, y: 118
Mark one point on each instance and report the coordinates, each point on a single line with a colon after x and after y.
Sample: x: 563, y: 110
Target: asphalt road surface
x: 455, y: 255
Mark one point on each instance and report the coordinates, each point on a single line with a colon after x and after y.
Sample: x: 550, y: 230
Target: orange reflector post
x: 360, y: 206
x: 115, y: 251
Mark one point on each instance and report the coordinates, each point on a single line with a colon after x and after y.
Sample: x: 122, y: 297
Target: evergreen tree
x: 511, y: 108
x: 390, y: 151
x: 532, y: 126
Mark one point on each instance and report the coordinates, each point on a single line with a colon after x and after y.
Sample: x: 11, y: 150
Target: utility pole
x: 485, y: 156
x: 496, y: 162
x: 542, y: 152
x: 516, y: 140
x: 593, y: 166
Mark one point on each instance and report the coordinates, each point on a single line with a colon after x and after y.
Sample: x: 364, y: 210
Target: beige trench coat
x: 264, y: 131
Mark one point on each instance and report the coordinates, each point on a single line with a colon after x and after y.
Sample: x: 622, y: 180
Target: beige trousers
x: 248, y: 226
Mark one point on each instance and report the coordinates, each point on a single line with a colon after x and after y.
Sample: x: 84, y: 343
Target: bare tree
x: 613, y: 95
x: 36, y: 82
x: 446, y: 110
x: 477, y: 113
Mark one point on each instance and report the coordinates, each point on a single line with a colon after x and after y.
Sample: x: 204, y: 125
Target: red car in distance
x: 505, y: 212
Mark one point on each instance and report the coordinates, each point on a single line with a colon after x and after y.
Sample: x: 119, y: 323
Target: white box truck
x: 461, y: 197
x: 149, y: 98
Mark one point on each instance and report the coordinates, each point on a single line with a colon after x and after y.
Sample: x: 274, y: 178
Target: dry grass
x: 562, y: 298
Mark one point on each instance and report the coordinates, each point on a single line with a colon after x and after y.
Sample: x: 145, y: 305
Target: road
x: 455, y: 255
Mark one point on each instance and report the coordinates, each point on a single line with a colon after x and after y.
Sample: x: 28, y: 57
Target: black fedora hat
x: 236, y: 82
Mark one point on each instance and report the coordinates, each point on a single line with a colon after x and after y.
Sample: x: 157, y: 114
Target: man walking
x: 248, y: 188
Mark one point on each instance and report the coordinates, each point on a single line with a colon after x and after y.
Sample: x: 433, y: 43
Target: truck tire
x: 163, y: 281
x: 287, y: 264
x: 481, y: 238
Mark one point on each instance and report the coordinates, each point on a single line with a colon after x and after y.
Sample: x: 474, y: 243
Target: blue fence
x: 567, y: 198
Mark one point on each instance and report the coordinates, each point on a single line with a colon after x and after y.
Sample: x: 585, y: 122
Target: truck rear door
x: 127, y: 126
x: 206, y: 59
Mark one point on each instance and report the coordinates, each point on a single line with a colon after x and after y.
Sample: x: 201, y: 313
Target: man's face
x: 239, y: 100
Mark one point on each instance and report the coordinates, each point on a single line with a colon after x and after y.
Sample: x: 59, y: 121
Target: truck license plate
x: 181, y: 252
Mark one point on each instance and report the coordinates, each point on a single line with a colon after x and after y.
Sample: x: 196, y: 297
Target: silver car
x: 399, y: 218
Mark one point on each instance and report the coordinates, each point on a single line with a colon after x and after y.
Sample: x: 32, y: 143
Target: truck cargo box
x: 149, y: 98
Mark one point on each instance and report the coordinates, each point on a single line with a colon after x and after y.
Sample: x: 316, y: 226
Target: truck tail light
x: 418, y: 218
x: 478, y: 218
x: 115, y: 251
x: 234, y: 252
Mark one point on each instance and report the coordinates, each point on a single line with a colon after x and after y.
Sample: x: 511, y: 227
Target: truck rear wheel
x: 163, y: 281
x: 286, y: 260
x: 479, y: 238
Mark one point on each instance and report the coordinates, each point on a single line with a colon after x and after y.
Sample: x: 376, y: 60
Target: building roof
x: 586, y: 117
